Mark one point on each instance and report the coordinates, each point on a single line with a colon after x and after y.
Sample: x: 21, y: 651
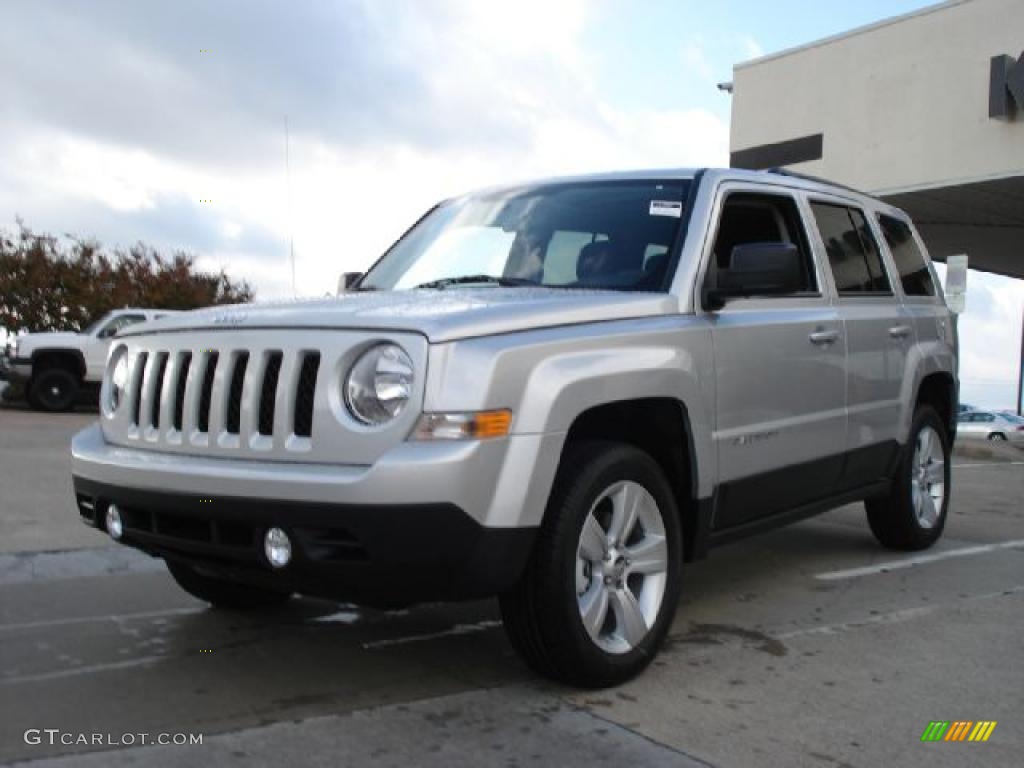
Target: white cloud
x: 504, y: 93
x: 751, y: 48
x: 989, y: 332
x: 696, y: 61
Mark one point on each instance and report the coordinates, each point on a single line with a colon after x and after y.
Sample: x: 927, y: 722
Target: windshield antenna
x: 288, y: 182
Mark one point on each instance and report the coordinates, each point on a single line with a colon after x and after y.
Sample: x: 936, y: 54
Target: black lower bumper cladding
x: 373, y: 555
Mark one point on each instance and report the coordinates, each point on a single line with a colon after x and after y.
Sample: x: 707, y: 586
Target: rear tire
x: 53, y: 390
x: 221, y: 593
x: 997, y: 437
x: 592, y: 558
x: 913, y: 514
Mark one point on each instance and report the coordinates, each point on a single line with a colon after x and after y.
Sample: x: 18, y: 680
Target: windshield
x: 95, y: 324
x: 600, y: 235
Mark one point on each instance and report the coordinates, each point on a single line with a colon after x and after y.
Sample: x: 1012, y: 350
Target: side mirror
x: 347, y: 281
x: 758, y: 269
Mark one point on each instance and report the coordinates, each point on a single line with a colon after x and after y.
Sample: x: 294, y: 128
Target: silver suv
x: 557, y: 393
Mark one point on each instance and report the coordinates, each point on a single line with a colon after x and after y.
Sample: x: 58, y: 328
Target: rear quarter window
x: 910, y: 263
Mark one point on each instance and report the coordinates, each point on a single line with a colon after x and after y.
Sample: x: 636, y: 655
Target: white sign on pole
x: 956, y: 283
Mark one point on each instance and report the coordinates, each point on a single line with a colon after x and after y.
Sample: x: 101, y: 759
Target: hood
x: 440, y: 315
x: 49, y: 339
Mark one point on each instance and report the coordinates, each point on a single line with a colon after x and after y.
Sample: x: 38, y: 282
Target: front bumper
x: 429, y: 521
x: 372, y: 555
x: 15, y: 369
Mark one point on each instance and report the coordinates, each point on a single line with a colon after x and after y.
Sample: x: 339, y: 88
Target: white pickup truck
x: 55, y: 368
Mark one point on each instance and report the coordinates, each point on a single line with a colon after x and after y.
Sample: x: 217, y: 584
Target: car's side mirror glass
x: 757, y: 269
x: 348, y: 281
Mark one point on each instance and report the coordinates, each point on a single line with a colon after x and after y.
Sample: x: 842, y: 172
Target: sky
x: 165, y: 122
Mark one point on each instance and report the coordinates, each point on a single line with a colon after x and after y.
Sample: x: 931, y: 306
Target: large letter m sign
x: 1006, y: 87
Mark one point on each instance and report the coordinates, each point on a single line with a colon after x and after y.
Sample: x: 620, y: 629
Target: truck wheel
x: 997, y: 437
x: 912, y: 515
x: 221, y: 593
x: 600, y: 591
x: 53, y: 389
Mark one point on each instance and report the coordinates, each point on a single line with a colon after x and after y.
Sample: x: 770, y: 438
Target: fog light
x: 277, y: 547
x: 114, y: 525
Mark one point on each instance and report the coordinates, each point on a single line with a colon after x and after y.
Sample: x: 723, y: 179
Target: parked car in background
x: 991, y: 425
x: 55, y: 368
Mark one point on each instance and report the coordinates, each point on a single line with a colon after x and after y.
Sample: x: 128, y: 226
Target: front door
x: 779, y: 371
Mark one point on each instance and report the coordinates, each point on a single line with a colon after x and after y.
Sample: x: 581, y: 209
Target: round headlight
x: 118, y: 381
x: 379, y: 384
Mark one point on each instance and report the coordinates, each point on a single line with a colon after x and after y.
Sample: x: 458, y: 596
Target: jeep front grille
x: 210, y: 392
x: 262, y: 395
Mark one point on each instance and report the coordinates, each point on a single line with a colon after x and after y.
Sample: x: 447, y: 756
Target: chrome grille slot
x: 184, y: 365
x: 268, y: 393
x: 206, y: 393
x: 234, y: 413
x: 137, y: 380
x: 305, y: 392
x: 158, y: 383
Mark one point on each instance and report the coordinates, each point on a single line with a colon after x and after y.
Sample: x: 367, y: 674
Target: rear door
x: 914, y: 276
x: 780, y: 421
x: 879, y: 334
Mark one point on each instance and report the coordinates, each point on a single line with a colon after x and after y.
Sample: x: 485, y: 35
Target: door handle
x: 824, y: 337
x: 899, y: 331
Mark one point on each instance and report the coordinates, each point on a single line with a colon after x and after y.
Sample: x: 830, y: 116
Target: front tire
x: 997, y: 437
x: 913, y: 514
x: 600, y: 591
x: 53, y: 390
x: 221, y: 593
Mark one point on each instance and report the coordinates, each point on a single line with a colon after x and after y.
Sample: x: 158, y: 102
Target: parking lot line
x: 458, y: 629
x: 893, y: 565
x: 989, y: 464
x: 47, y: 623
x: 142, y: 661
x: 892, y: 617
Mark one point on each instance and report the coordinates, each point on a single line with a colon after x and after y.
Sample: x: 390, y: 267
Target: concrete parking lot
x: 807, y: 646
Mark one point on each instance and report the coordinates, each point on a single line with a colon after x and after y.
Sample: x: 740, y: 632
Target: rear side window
x: 910, y: 263
x: 851, y: 248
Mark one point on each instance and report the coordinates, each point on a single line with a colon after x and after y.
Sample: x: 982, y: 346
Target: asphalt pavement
x: 810, y: 646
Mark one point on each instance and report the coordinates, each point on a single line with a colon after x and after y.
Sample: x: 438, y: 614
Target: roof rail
x: 807, y: 177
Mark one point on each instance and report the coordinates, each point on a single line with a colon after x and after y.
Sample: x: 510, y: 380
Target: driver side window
x: 748, y: 218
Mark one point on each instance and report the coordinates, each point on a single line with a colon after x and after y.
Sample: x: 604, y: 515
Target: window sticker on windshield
x: 666, y: 208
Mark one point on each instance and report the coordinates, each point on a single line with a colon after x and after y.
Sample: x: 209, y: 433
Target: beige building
x: 925, y: 110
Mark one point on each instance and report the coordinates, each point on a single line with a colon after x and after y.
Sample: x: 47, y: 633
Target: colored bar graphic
x: 935, y: 730
x: 982, y: 730
x: 958, y: 730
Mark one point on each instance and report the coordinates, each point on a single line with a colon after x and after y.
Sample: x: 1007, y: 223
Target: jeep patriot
x: 556, y: 393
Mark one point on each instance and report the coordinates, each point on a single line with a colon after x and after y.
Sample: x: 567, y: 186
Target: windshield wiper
x: 444, y: 282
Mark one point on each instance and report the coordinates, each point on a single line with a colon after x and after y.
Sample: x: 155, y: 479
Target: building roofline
x: 850, y: 33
